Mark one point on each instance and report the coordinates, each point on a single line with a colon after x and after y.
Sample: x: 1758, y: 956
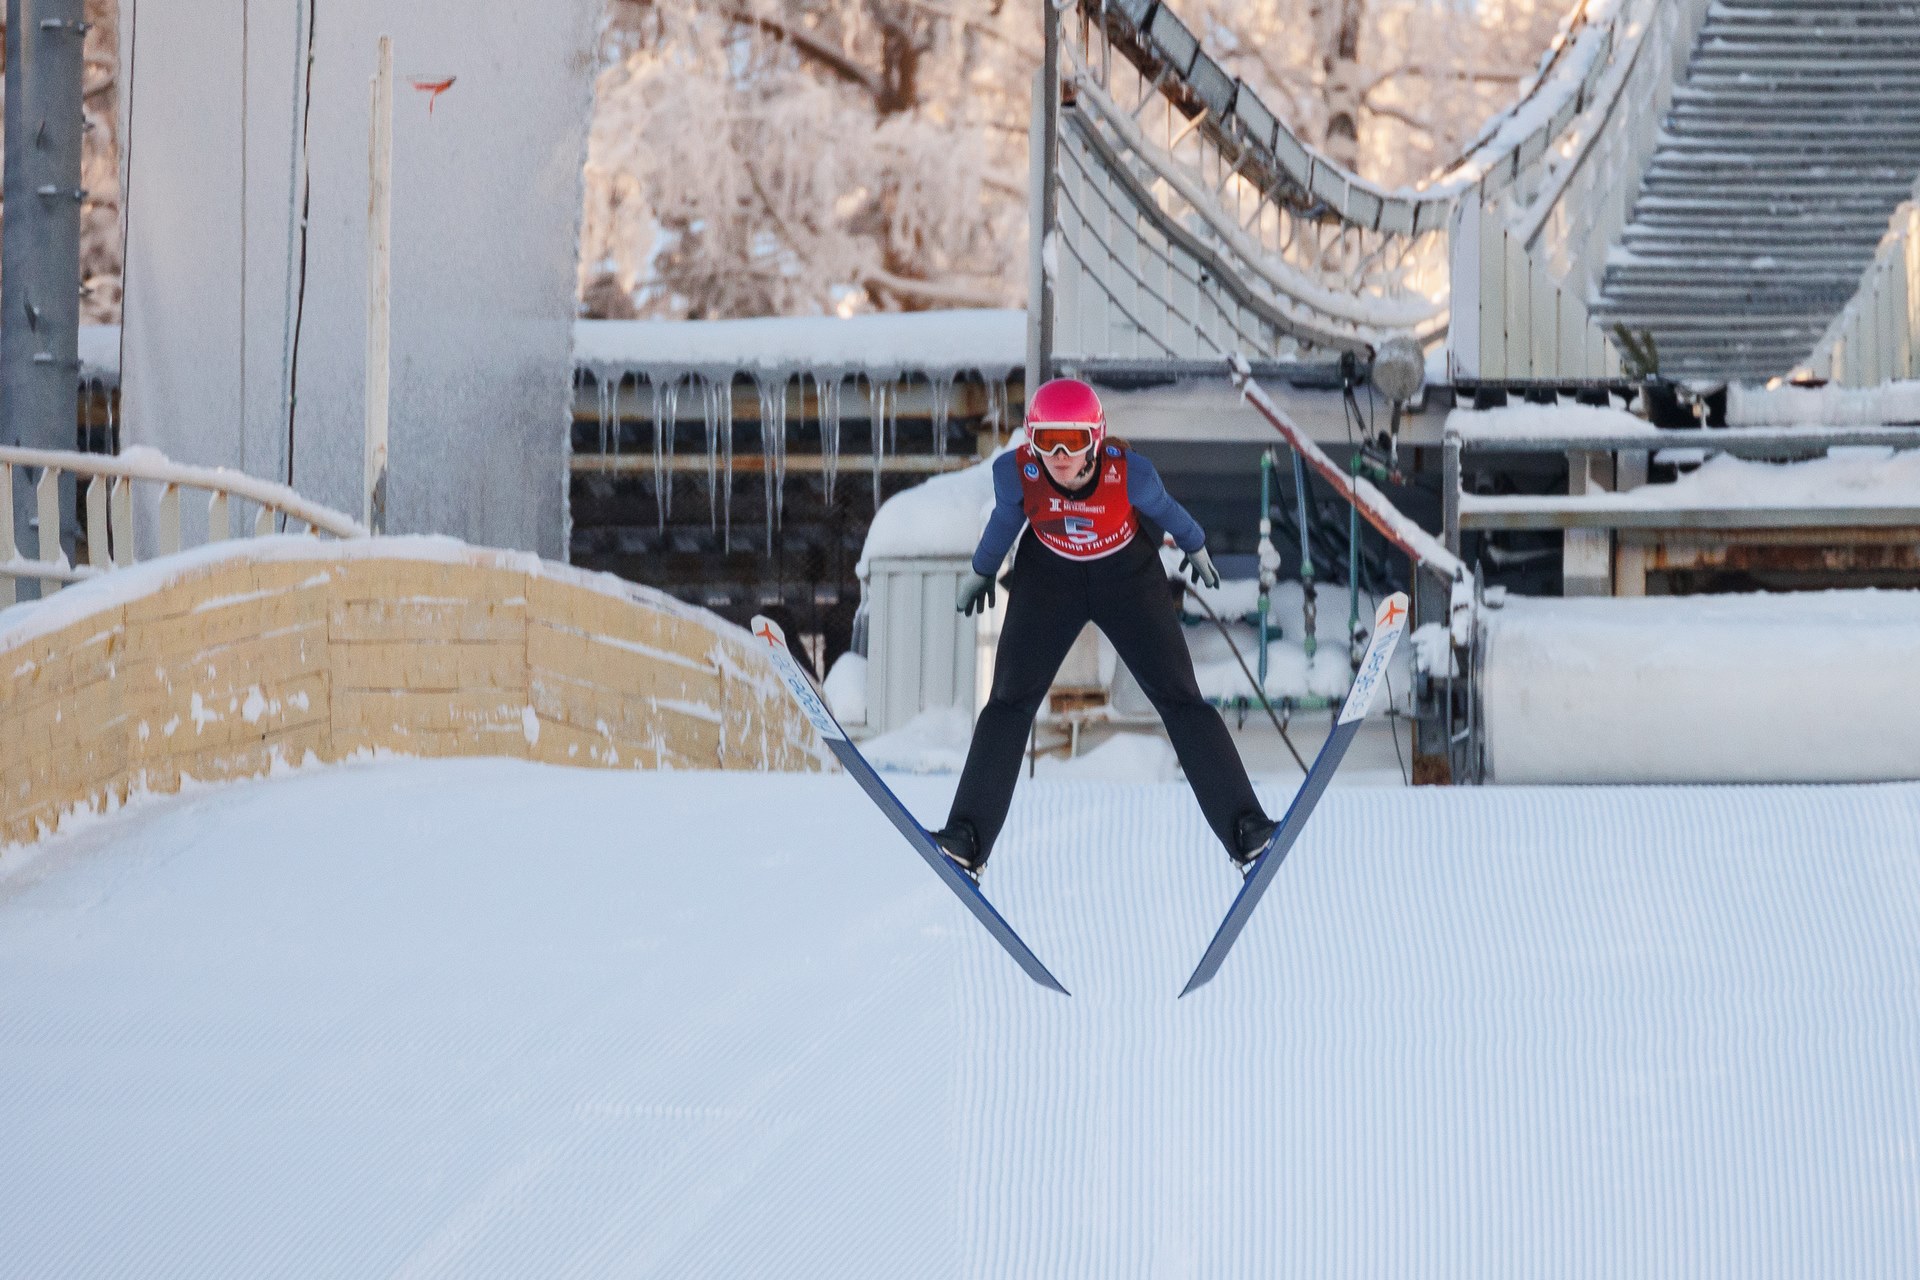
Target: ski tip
x: 767, y: 630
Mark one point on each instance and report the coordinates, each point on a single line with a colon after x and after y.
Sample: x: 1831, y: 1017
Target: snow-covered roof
x: 1829, y: 406
x: 991, y: 342
x: 942, y: 517
x: 1545, y: 421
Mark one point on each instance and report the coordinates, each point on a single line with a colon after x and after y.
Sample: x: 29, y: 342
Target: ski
x: 1388, y: 625
x: 801, y: 687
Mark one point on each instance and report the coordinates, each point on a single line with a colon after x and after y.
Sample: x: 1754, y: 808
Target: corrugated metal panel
x: 920, y: 650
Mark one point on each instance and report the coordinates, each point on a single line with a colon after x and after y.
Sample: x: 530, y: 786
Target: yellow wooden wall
x: 231, y: 664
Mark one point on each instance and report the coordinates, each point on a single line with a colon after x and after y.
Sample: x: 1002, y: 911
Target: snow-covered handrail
x: 1356, y: 491
x: 1152, y: 36
x: 109, y: 510
x: 1370, y: 319
x: 1876, y: 336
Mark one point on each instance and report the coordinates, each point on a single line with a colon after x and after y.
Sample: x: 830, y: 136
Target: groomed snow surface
x: 487, y: 1018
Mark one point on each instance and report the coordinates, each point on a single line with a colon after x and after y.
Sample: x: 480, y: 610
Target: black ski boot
x: 962, y: 847
x: 1251, y: 834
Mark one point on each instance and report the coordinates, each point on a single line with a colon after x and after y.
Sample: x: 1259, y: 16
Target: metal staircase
x: 1792, y: 140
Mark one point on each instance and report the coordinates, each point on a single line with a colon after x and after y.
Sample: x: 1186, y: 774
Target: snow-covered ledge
x: 229, y: 660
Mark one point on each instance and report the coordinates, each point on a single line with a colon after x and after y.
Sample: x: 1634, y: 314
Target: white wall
x: 486, y: 205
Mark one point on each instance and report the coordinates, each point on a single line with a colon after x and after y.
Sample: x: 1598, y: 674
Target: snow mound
x: 846, y: 688
x: 487, y: 1018
x: 942, y: 516
x: 935, y: 741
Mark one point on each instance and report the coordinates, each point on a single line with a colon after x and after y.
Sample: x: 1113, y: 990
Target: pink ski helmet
x: 1064, y: 416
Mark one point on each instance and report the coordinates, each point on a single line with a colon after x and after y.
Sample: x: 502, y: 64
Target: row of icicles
x: 716, y: 407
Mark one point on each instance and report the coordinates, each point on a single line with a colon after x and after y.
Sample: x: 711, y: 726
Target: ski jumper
x: 1082, y: 560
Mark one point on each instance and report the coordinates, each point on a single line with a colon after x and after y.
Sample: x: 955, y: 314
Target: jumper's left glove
x: 975, y: 594
x: 1200, y: 565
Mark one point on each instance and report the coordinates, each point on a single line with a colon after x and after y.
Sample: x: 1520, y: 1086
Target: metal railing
x: 108, y: 502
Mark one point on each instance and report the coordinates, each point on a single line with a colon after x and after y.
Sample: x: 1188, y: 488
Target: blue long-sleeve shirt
x: 1145, y: 491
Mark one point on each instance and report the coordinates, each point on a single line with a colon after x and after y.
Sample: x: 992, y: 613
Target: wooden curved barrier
x: 222, y: 662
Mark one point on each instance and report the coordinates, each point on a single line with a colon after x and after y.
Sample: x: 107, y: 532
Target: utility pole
x: 1046, y: 168
x: 40, y: 241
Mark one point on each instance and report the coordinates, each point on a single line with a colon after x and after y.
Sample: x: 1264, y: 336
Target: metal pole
x: 379, y: 286
x: 40, y: 243
x: 1355, y: 650
x: 1047, y: 104
x: 1269, y: 560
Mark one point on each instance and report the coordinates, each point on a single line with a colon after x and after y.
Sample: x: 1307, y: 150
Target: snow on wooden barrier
x: 229, y: 660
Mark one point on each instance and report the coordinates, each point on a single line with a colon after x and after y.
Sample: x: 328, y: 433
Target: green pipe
x: 1309, y: 640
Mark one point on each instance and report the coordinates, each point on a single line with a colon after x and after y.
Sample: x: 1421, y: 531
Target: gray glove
x: 976, y: 593
x: 1200, y: 565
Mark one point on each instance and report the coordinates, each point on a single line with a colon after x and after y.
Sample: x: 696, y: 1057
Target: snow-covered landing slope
x: 490, y: 1018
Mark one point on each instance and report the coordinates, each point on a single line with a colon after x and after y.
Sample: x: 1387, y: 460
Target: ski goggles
x: 1059, y: 438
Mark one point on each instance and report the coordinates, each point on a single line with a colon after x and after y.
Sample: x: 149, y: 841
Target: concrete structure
x: 246, y: 307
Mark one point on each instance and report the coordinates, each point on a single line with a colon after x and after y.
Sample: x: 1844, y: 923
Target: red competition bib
x: 1087, y: 530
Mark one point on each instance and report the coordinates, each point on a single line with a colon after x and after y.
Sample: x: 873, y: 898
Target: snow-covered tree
x: 768, y: 157
x: 1390, y: 88
x: 755, y: 157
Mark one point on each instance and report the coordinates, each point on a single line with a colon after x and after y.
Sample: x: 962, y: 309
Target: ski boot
x: 962, y: 847
x: 1251, y: 834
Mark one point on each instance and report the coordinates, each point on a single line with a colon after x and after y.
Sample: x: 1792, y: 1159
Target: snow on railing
x: 108, y: 498
x: 1577, y: 211
x: 1873, y: 339
x: 1357, y: 491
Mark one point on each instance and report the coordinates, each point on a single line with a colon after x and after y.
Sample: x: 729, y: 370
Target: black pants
x: 1050, y: 599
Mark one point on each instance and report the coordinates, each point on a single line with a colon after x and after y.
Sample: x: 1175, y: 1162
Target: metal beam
x: 40, y: 243
x: 1742, y: 442
x: 1516, y: 513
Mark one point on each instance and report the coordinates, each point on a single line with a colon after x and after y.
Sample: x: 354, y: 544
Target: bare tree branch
x: 813, y: 48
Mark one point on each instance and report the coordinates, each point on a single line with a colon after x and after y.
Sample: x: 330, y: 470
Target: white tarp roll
x: 485, y: 214
x: 1801, y: 687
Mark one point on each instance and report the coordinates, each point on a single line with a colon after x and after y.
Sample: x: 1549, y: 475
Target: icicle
x: 666, y: 412
x: 604, y: 403
x: 828, y: 395
x: 878, y: 393
x: 710, y: 415
x: 725, y: 394
x: 780, y: 447
x: 996, y: 406
x: 773, y: 440
x: 942, y: 389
